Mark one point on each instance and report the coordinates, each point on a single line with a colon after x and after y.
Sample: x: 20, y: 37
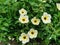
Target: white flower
x: 24, y: 19
x: 35, y: 21
x: 46, y: 18
x: 58, y: 6
x: 32, y: 33
x: 9, y: 38
x: 22, y: 11
x: 24, y: 38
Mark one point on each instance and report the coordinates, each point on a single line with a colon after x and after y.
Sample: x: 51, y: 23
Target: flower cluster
x: 28, y: 21
x: 46, y: 18
x: 31, y: 34
x: 23, y: 16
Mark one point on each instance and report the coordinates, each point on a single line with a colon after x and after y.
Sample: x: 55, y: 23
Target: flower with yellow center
x: 24, y: 38
x: 58, y: 6
x: 46, y: 18
x: 24, y: 19
x: 22, y: 11
x: 35, y: 21
x: 32, y: 33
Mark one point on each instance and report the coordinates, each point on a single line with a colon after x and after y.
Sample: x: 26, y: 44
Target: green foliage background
x: 49, y: 34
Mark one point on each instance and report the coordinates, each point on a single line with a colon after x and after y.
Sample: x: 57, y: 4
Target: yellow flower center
x: 32, y: 33
x: 35, y: 21
x: 45, y: 18
x: 23, y: 19
x: 24, y: 37
x: 22, y: 11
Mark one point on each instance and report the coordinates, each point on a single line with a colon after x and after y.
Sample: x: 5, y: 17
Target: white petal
x: 58, y: 5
